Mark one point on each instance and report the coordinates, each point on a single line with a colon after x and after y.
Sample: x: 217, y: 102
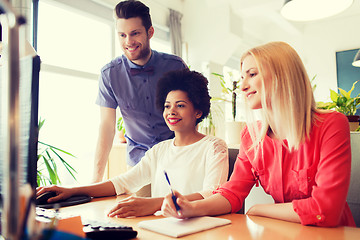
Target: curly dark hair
x: 191, y: 82
x: 132, y: 8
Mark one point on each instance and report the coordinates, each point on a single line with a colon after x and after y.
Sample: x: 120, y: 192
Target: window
x: 72, y: 49
x: 73, y: 46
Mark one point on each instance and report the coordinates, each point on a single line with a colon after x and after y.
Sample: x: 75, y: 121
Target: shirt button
x: 153, y: 127
x: 318, y: 217
x: 149, y: 114
x: 147, y: 97
x: 144, y: 80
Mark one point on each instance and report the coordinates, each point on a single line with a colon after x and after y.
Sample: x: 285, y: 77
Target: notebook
x: 174, y: 227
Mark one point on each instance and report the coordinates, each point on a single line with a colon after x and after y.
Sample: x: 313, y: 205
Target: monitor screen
x: 28, y: 132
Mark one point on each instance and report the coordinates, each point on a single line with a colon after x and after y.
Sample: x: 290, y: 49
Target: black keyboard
x: 107, y: 230
x: 93, y: 229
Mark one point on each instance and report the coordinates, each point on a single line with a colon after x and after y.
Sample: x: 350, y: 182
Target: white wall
x: 322, y: 41
x: 207, y: 31
x: 317, y: 44
x: 214, y: 33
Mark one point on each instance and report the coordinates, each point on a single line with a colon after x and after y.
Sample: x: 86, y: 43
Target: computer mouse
x: 43, y: 198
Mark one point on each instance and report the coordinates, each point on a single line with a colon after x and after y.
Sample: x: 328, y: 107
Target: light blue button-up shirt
x: 135, y: 96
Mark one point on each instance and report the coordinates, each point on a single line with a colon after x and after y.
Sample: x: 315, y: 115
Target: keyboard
x: 107, y: 230
x: 94, y: 229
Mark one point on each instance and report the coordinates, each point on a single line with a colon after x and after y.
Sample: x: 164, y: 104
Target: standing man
x: 129, y: 81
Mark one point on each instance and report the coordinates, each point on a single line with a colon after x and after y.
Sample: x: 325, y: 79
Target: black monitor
x: 29, y: 102
x: 28, y: 132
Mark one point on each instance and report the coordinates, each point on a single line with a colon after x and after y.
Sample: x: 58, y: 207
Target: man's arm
x: 105, y: 140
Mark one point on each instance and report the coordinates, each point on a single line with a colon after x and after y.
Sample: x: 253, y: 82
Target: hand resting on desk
x: 133, y: 206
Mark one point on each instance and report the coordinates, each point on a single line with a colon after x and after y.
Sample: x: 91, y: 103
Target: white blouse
x: 199, y: 167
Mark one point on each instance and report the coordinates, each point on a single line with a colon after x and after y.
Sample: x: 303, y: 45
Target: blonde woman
x: 300, y: 155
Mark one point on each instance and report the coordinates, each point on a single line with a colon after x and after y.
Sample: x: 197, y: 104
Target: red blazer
x: 315, y: 178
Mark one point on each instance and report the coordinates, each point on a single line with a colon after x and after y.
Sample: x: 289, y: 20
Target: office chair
x: 353, y: 197
x: 233, y: 152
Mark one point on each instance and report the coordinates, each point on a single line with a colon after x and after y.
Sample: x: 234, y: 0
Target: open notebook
x: 174, y: 227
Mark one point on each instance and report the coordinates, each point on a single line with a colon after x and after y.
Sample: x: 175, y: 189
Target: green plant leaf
x: 334, y: 95
x: 217, y: 74
x: 358, y: 129
x: 51, y: 172
x: 220, y: 99
x: 120, y: 124
x: 312, y: 83
x: 345, y: 93
x: 57, y: 149
x: 66, y: 165
x: 352, y: 88
x: 325, y: 105
x: 48, y: 156
x: 41, y: 123
x: 357, y: 102
x: 342, y: 102
x: 231, y: 91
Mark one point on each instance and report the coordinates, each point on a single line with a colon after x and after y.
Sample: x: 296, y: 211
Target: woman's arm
x: 138, y: 206
x: 214, y: 205
x: 326, y: 205
x: 101, y: 189
x: 216, y: 166
x: 282, y: 211
x: 193, y: 197
x: 93, y: 190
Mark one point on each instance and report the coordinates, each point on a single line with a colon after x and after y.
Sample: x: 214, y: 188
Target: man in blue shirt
x: 129, y: 81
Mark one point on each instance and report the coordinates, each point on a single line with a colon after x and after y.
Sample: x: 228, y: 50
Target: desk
x: 242, y: 226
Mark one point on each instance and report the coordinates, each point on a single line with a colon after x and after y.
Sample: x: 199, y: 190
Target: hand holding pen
x: 172, y: 192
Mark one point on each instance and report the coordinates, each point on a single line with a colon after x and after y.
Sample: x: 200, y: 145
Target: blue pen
x: 172, y: 193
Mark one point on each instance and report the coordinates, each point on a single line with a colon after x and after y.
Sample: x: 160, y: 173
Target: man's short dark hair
x: 132, y: 8
x: 191, y: 82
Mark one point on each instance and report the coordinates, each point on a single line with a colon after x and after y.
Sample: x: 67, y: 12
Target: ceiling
x: 262, y: 15
x: 259, y: 17
x: 260, y: 12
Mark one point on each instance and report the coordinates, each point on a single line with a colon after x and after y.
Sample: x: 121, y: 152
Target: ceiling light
x: 310, y: 10
x: 356, y: 62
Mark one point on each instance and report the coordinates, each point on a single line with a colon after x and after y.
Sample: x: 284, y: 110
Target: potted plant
x: 47, y: 158
x: 208, y: 125
x: 233, y: 128
x: 230, y: 91
x: 344, y: 103
x: 120, y: 126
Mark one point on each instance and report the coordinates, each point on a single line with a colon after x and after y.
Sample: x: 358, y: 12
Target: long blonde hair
x: 288, y: 94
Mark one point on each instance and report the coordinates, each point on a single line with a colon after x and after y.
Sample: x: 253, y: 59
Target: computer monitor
x: 28, y: 132
x: 19, y: 86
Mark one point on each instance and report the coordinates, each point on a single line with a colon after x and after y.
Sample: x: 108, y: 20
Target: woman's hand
x: 186, y: 207
x: 61, y: 192
x: 135, y: 207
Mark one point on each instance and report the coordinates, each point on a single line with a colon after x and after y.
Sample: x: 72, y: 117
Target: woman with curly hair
x: 196, y: 164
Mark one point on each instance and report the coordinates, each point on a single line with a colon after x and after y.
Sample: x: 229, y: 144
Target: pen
x: 172, y: 193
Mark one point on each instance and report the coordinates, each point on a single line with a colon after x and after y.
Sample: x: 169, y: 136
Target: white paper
x: 174, y: 227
